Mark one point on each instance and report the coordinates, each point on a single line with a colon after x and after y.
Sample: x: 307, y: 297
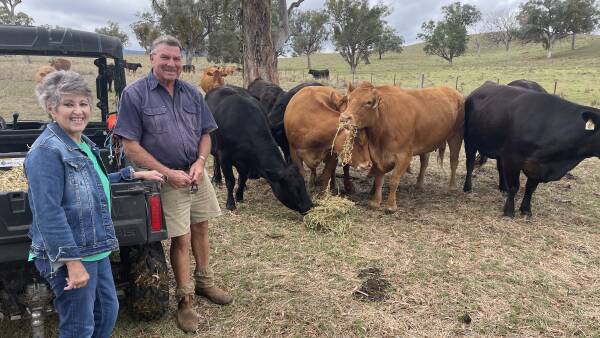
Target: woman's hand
x: 78, y: 276
x: 149, y: 175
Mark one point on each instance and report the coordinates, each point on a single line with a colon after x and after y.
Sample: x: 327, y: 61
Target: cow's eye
x: 369, y: 103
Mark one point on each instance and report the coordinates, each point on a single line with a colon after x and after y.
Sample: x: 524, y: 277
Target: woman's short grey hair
x: 168, y: 40
x: 56, y: 84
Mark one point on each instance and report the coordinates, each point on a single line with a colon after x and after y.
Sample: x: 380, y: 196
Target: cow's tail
x: 441, y: 151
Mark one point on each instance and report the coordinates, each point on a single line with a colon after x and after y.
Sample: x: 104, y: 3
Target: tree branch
x: 294, y: 5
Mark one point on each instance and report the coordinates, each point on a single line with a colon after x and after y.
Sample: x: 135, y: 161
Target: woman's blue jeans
x: 90, y: 311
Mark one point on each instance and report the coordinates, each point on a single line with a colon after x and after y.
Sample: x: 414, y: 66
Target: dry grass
x: 13, y: 180
x: 445, y: 254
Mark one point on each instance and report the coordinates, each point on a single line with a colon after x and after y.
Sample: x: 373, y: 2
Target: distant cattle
x: 189, y: 68
x: 319, y: 74
x: 110, y: 76
x: 42, y: 72
x: 132, y: 67
x: 60, y: 64
x: 229, y: 70
x: 311, y: 122
x: 276, y: 116
x: 266, y: 93
x: 403, y: 122
x: 537, y: 133
x: 211, y: 78
x: 243, y: 140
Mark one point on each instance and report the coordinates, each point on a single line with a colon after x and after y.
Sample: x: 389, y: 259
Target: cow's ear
x: 350, y: 87
x: 592, y: 119
x: 377, y: 101
x: 209, y: 73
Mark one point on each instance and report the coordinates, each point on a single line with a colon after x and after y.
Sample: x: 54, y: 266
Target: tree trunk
x: 380, y: 54
x: 478, y: 47
x: 189, y: 56
x: 258, y: 51
x: 507, y: 46
x: 308, y: 58
x: 573, y: 41
x: 549, y: 50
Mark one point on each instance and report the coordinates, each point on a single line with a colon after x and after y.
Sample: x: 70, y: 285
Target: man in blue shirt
x: 165, y: 125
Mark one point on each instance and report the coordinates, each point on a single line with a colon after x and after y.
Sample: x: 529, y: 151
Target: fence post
x: 555, y: 83
x: 337, y: 77
x: 456, y: 85
x: 371, y: 77
x: 497, y: 80
x: 394, y: 79
x: 422, y: 81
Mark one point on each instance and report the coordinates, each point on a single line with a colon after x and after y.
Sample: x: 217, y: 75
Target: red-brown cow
x: 403, y: 122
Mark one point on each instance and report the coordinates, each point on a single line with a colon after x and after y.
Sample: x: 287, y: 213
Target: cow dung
x: 373, y: 289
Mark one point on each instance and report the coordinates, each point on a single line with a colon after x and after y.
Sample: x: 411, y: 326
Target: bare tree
x: 502, y: 27
x: 10, y: 5
x: 258, y: 50
x: 282, y: 33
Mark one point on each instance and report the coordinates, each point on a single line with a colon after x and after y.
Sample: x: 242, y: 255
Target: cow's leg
x: 470, y: 152
x: 376, y: 190
x: 454, y: 143
x: 297, y: 161
x: 530, y: 187
x: 402, y: 162
x: 242, y: 178
x: 326, y: 175
x: 227, y: 167
x: 348, y: 186
x: 511, y: 173
x: 217, y: 179
x: 424, y: 159
x: 501, y: 181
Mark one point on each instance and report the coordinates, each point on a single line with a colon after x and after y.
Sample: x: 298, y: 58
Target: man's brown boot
x: 187, y: 318
x: 205, y: 286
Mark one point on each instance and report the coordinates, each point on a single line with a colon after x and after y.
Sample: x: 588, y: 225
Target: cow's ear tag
x: 590, y: 125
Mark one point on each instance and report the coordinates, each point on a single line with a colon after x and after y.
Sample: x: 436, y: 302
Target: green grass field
x: 444, y: 254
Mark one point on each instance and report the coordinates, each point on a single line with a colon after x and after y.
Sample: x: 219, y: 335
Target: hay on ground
x: 330, y: 214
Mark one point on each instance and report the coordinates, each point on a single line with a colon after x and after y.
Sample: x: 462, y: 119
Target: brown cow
x: 212, y: 77
x: 310, y: 121
x: 60, y: 64
x: 229, y: 70
x: 403, y: 122
x: 43, y: 71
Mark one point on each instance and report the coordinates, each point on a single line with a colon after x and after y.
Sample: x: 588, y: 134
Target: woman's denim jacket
x: 71, y: 218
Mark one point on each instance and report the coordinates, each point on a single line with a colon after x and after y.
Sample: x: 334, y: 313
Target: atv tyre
x: 148, y: 293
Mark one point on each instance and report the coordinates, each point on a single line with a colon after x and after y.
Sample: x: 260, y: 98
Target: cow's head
x: 289, y: 188
x: 360, y: 159
x: 362, y: 105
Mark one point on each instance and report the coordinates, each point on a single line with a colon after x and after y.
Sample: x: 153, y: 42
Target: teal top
x: 106, y: 185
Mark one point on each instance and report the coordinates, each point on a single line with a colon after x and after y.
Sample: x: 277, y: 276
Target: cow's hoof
x: 373, y: 205
x: 239, y: 198
x: 349, y: 189
x: 510, y: 214
x: 526, y: 213
x: 390, y: 210
x: 230, y: 207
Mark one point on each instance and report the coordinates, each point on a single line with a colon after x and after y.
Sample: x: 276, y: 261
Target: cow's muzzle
x: 344, y: 118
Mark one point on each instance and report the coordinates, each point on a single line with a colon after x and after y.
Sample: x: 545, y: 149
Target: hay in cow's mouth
x: 13, y: 180
x: 345, y: 156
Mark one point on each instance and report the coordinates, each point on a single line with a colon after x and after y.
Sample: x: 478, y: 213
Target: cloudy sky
x: 406, y: 16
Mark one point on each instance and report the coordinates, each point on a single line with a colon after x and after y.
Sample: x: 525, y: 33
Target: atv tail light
x: 155, y: 212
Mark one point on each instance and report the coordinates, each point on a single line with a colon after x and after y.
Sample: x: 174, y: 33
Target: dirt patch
x: 374, y: 288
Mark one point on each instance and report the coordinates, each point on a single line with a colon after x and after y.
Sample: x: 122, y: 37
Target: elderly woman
x: 69, y: 193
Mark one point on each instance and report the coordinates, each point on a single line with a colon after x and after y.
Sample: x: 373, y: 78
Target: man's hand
x: 197, y: 171
x: 78, y: 276
x: 178, y: 179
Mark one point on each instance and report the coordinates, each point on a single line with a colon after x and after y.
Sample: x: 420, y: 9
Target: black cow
x: 244, y: 141
x: 537, y: 133
x: 189, y: 68
x: 265, y: 92
x: 110, y: 76
x: 276, y: 117
x: 527, y: 84
x: 319, y: 74
x: 132, y: 67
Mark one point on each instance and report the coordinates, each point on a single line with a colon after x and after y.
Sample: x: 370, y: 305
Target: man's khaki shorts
x: 182, y: 208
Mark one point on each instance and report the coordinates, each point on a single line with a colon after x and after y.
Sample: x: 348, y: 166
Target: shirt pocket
x: 155, y: 120
x: 76, y: 170
x: 193, y: 117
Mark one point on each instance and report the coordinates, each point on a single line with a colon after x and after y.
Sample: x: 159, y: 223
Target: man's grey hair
x: 56, y: 84
x: 168, y: 40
